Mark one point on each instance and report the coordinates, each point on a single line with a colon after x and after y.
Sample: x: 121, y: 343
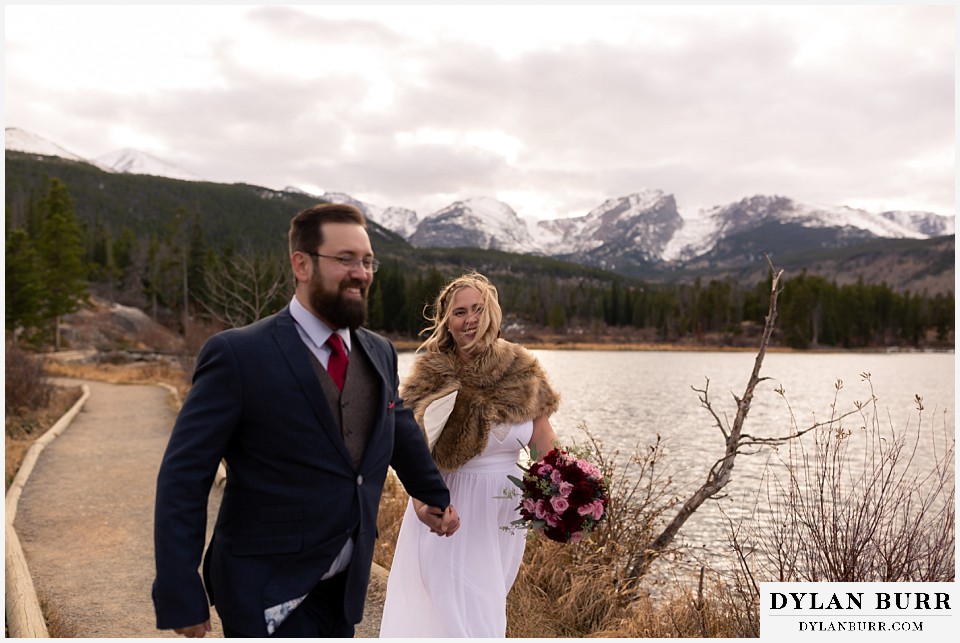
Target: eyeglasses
x: 369, y: 264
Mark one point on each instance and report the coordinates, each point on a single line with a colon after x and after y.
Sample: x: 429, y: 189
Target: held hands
x: 443, y: 522
x: 194, y: 631
x: 450, y: 521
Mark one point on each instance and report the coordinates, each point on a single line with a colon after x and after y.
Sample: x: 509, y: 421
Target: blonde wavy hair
x: 438, y: 314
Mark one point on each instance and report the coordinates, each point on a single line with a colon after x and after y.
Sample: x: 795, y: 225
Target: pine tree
x: 60, y: 246
x: 24, y: 289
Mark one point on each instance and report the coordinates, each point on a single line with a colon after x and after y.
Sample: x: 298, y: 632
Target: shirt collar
x: 314, y: 327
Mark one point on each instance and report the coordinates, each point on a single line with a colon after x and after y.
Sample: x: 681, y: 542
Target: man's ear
x: 302, y: 266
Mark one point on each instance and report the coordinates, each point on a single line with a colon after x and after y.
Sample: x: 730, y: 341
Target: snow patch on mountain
x: 131, y: 161
x: 926, y: 223
x: 695, y: 236
x: 402, y: 221
x: 844, y: 216
x: 295, y: 190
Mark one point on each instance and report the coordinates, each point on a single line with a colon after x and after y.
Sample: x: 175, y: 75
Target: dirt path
x: 85, y: 518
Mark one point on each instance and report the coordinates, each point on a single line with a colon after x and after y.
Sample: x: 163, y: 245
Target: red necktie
x: 337, y: 366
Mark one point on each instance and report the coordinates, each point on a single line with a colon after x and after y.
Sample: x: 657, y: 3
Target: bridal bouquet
x: 563, y: 496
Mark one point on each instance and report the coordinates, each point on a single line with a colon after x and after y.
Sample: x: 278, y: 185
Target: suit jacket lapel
x: 295, y: 352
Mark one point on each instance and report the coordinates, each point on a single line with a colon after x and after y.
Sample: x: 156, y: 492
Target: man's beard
x: 335, y: 308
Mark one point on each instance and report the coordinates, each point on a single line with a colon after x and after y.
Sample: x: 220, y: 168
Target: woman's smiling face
x: 465, y: 311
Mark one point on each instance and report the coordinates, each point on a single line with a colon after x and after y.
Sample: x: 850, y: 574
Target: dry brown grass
x: 684, y: 613
x: 57, y: 626
x: 393, y: 503
x: 24, y: 427
x: 577, y: 591
x: 135, y: 373
x: 563, y: 591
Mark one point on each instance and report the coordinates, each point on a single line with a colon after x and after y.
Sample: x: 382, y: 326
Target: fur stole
x: 504, y: 384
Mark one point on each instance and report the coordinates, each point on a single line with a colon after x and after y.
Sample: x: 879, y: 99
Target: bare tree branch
x: 720, y: 473
x: 239, y: 289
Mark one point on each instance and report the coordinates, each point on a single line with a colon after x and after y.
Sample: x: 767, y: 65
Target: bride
x: 480, y: 399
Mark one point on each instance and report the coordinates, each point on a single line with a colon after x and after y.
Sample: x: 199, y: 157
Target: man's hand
x: 441, y: 522
x: 194, y: 631
x: 450, y: 522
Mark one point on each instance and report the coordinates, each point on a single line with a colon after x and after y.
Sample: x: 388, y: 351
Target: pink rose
x: 589, y: 468
x: 597, y: 510
x: 539, y: 510
x: 576, y: 536
x: 556, y: 477
x: 551, y: 519
x: 565, y: 489
x: 559, y: 504
x: 593, y: 509
x: 544, y: 469
x: 528, y: 504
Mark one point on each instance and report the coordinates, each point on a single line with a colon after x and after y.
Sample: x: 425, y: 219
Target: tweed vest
x: 353, y: 408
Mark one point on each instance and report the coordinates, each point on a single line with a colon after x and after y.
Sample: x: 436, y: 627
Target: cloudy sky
x: 551, y: 109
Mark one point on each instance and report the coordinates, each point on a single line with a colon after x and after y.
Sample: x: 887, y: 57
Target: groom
x: 303, y: 407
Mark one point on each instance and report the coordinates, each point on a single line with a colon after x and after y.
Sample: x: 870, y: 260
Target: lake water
x: 626, y: 398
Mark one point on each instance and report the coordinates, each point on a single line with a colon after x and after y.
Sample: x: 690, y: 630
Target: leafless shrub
x: 26, y: 386
x: 240, y: 288
x: 867, y: 503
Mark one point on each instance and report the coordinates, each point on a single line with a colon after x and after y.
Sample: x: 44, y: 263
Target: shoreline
x: 407, y: 345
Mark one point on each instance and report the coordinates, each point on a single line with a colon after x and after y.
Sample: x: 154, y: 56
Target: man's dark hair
x: 306, y: 234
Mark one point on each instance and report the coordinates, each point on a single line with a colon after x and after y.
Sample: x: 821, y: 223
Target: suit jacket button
x: 359, y: 480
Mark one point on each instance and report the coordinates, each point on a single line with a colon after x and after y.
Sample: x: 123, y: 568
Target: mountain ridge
x: 637, y: 234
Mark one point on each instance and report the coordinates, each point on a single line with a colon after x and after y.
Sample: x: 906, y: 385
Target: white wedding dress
x: 457, y: 586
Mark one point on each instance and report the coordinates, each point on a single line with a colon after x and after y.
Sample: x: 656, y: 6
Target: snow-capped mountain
x: 479, y: 222
x: 127, y: 160
x: 20, y: 140
x: 130, y: 161
x: 403, y: 221
x: 642, y: 229
x: 748, y: 212
x: 646, y: 220
x: 700, y: 234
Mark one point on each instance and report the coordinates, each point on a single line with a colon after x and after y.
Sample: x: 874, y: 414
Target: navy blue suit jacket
x: 292, y: 497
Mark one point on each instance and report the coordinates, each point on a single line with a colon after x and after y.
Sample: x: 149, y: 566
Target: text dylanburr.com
x: 856, y: 611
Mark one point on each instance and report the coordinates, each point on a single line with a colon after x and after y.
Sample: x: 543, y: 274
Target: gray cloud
x: 711, y: 107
